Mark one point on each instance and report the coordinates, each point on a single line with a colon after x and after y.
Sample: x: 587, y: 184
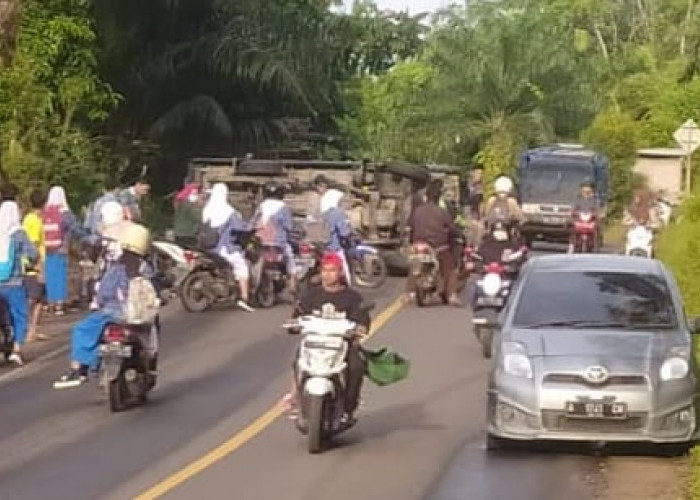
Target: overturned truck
x: 377, y: 200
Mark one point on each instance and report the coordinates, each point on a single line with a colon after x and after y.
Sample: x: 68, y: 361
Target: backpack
x: 142, y: 303
x: 53, y: 235
x: 6, y: 267
x: 207, y: 236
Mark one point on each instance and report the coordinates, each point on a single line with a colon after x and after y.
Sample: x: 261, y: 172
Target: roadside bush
x: 679, y: 246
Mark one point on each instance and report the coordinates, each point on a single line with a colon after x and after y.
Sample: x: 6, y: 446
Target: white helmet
x: 111, y: 213
x: 503, y: 185
x: 135, y: 238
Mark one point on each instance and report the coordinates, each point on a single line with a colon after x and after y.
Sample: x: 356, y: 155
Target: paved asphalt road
x: 222, y: 370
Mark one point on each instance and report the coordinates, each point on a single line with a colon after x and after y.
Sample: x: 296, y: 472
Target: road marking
x: 252, y: 430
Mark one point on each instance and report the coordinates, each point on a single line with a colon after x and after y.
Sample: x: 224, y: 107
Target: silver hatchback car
x: 594, y: 348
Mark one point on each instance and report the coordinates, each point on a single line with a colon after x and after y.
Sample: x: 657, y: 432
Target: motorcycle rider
x: 434, y: 226
x: 227, y: 221
x: 112, y: 298
x: 502, y: 205
x: 347, y: 303
x: 641, y: 211
x: 337, y: 227
x: 273, y: 224
x: 497, y: 241
x: 585, y: 202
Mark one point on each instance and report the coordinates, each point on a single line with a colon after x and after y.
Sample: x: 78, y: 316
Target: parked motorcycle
x: 321, y: 376
x: 128, y: 362
x: 585, y: 231
x: 640, y: 241
x: 492, y: 294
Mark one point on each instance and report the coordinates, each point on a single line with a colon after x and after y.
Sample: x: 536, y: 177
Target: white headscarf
x: 330, y: 199
x: 111, y: 213
x: 57, y: 197
x: 268, y: 208
x: 9, y: 223
x: 217, y: 211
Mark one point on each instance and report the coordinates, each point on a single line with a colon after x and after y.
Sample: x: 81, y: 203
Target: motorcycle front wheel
x: 369, y: 271
x: 314, y: 419
x: 192, y: 293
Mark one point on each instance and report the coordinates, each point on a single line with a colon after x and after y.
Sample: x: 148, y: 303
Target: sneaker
x: 245, y: 306
x: 16, y: 358
x: 73, y: 378
x: 347, y: 420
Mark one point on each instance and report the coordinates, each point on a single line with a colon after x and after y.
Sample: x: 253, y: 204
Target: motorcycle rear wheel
x: 192, y: 296
x: 265, y: 294
x: 116, y: 393
x: 314, y: 419
x: 377, y: 271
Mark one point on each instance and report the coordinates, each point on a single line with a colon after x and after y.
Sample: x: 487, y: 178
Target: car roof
x: 596, y: 262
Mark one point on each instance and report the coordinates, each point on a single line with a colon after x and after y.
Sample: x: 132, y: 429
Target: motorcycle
x: 367, y: 266
x: 492, y: 293
x: 127, y: 363
x: 321, y: 376
x: 585, y: 231
x: 269, y: 271
x: 173, y: 262
x: 211, y: 278
x: 640, y: 241
x: 424, y: 267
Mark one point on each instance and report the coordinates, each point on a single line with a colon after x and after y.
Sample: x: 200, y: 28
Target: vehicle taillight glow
x: 115, y: 333
x: 494, y: 267
x: 190, y: 256
x: 305, y: 249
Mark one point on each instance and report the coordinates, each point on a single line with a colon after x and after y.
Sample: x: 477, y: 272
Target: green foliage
x: 49, y: 95
x: 617, y: 135
x: 678, y: 246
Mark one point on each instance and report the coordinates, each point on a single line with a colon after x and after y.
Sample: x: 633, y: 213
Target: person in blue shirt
x: 338, y: 227
x: 220, y: 215
x: 273, y: 224
x: 14, y: 248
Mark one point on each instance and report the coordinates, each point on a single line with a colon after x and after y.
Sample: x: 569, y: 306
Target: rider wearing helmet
x: 503, y: 205
x: 585, y: 202
x: 273, y: 224
x: 112, y: 298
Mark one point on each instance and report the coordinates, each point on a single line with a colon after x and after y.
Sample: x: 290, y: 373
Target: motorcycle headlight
x: 674, y: 368
x: 491, y: 284
x: 516, y: 361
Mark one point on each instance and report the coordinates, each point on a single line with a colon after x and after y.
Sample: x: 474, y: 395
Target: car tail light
x: 305, y: 250
x: 494, y: 267
x: 115, y: 333
x: 190, y: 256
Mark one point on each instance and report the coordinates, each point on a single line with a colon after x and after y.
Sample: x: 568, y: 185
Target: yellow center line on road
x: 249, y: 432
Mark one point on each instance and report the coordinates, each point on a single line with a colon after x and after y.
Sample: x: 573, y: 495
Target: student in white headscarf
x: 14, y: 248
x: 338, y: 224
x: 220, y: 215
x: 59, y: 225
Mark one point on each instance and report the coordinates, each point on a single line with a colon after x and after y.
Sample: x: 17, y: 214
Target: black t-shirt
x: 346, y: 302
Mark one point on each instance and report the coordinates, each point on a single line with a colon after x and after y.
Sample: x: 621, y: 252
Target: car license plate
x: 552, y: 220
x: 596, y: 409
x: 489, y: 301
x: 116, y: 350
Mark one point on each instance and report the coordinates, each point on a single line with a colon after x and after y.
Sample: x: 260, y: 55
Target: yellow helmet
x: 135, y: 238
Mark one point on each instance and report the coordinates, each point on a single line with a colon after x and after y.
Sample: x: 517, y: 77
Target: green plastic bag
x: 385, y: 367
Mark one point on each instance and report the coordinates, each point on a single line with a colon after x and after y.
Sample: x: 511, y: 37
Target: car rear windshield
x: 595, y: 299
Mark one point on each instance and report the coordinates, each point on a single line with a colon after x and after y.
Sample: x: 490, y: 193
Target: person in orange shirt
x: 34, y: 276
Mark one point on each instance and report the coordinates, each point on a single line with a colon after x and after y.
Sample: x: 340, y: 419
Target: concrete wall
x: 663, y: 172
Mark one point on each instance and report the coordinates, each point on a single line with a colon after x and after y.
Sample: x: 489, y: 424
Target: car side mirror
x: 694, y: 325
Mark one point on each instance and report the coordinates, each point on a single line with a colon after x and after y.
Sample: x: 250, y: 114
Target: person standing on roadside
x: 131, y: 197
x: 34, y: 280
x: 59, y: 226
x: 14, y: 248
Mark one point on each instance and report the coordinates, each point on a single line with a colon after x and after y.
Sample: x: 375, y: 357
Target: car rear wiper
x: 577, y: 324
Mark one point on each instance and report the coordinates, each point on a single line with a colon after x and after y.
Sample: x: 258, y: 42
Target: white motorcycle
x: 640, y: 241
x: 321, y: 375
x: 174, y: 262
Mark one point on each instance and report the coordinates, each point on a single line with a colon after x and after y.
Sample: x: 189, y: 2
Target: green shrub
x: 679, y: 247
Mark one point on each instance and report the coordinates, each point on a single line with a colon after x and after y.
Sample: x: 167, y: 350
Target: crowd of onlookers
x: 36, y: 232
